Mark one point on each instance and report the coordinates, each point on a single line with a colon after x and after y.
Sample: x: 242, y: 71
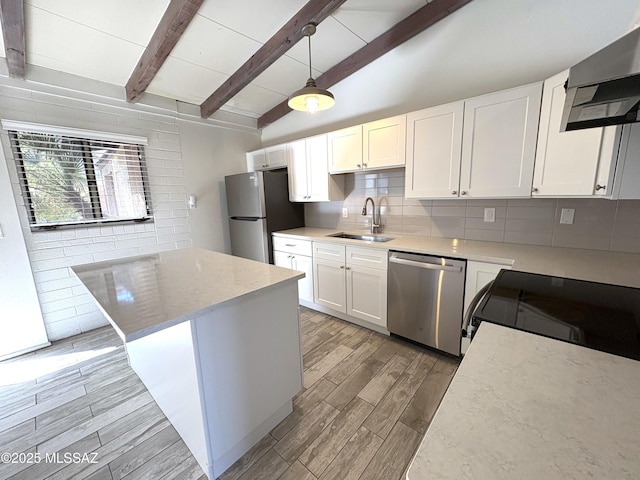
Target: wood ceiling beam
x: 174, y: 22
x: 415, y: 23
x: 12, y: 18
x: 315, y: 11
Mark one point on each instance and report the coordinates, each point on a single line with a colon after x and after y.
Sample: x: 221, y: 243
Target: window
x: 72, y: 177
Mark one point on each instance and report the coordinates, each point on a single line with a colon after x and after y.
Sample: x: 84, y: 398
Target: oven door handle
x: 429, y: 266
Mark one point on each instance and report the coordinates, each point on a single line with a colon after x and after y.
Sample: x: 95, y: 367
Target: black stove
x: 595, y: 315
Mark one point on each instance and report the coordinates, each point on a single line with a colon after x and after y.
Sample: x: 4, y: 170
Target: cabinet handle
x: 364, y: 165
x: 341, y: 266
x: 455, y: 192
x: 289, y: 244
x: 358, y: 165
x: 534, y: 190
x: 348, y: 268
x: 600, y: 187
x: 463, y: 193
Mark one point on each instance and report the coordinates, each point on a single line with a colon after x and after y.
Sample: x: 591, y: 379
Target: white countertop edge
x: 137, y: 334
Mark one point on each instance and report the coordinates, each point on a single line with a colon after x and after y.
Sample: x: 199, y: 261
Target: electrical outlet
x: 566, y: 216
x: 345, y: 212
x: 490, y: 215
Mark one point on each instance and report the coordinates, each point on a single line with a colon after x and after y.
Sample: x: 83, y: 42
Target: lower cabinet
x: 478, y: 275
x: 351, y: 280
x: 296, y: 255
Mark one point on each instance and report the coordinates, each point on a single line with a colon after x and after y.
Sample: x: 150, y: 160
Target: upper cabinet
x: 576, y: 163
x: 345, y: 150
x: 499, y: 143
x: 267, y: 158
x: 383, y: 143
x: 434, y: 146
x: 480, y: 148
x: 627, y: 176
x: 374, y: 145
x: 309, y: 179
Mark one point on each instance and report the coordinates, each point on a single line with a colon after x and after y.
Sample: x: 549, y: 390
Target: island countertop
x: 145, y: 294
x: 525, y: 406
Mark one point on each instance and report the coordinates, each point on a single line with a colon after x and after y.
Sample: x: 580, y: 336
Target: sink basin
x: 365, y: 238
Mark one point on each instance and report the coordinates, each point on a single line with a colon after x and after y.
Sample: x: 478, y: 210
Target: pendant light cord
x: 310, y: 75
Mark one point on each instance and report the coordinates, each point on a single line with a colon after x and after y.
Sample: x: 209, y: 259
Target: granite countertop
x: 592, y: 265
x: 525, y: 406
x: 142, y: 295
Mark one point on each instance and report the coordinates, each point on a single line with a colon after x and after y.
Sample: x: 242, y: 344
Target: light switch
x: 566, y: 216
x: 345, y: 212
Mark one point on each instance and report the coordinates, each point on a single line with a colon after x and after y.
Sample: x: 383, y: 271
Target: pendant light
x: 310, y: 98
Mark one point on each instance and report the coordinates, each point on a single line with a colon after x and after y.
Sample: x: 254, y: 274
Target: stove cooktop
x: 595, y: 315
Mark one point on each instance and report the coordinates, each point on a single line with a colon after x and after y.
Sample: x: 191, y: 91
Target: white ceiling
x: 488, y: 44
x: 104, y: 41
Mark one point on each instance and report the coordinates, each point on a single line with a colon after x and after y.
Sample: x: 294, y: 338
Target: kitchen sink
x: 365, y: 238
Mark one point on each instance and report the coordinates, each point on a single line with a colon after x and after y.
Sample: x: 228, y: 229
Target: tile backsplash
x: 598, y: 224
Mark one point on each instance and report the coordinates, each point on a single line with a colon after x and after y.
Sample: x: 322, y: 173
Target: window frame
x: 83, y: 139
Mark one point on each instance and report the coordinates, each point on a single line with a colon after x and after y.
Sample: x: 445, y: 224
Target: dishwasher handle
x: 429, y: 266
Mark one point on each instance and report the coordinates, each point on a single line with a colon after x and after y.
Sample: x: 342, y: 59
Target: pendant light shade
x: 310, y: 98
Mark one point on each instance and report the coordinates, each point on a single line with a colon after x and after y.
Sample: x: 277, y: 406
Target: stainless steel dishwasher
x: 425, y: 299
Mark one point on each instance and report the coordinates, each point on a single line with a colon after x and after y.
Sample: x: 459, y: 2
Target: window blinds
x: 72, y: 180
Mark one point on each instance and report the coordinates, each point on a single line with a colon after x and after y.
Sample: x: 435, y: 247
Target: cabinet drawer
x: 289, y: 245
x: 367, y: 257
x: 328, y: 251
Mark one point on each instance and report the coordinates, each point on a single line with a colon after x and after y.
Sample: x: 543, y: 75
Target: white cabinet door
x: 499, y: 143
x: 566, y: 162
x: 329, y: 284
x: 276, y: 156
x: 367, y: 294
x: 305, y: 285
x: 256, y: 160
x: 434, y: 147
x: 478, y: 275
x: 298, y: 174
x: 345, y: 150
x: 628, y: 172
x: 384, y: 143
x: 282, y: 259
x: 317, y: 170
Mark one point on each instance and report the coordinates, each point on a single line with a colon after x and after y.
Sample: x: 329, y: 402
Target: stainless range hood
x: 604, y: 89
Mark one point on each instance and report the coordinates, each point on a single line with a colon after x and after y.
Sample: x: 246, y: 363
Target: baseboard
x: 345, y: 317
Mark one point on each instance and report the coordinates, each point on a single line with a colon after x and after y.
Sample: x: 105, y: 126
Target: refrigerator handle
x: 250, y: 219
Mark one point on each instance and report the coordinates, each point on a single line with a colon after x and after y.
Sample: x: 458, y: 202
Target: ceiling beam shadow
x: 315, y: 11
x: 174, y: 22
x: 415, y: 23
x: 12, y: 18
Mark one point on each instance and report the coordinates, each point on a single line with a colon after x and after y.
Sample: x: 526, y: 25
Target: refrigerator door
x: 245, y: 195
x: 249, y: 238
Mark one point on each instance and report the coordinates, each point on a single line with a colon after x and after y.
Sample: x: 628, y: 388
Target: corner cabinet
x: 372, y: 146
x: 499, y: 143
x: 295, y: 254
x: 267, y: 158
x: 309, y: 179
x: 576, y: 163
x: 434, y: 147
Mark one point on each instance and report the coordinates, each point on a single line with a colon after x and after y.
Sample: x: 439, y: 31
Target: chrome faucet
x: 375, y: 224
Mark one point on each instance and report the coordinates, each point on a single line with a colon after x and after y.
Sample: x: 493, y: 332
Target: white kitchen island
x: 522, y: 406
x: 214, y: 338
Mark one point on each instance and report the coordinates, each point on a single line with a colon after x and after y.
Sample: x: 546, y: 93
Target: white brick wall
x: 67, y: 308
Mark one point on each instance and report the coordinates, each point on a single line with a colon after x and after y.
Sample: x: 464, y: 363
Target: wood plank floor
x: 367, y: 402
